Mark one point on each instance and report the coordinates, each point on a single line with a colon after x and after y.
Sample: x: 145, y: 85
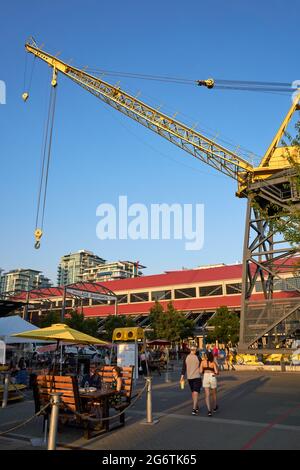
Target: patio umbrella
x: 60, y: 332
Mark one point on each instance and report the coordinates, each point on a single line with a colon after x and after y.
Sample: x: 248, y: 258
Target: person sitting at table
x: 117, y: 379
x: 92, y: 378
x: 116, y: 385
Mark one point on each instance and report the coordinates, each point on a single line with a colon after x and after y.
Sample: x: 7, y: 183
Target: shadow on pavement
x: 244, y: 389
x: 229, y: 378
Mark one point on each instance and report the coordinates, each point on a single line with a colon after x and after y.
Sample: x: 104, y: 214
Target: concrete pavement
x: 258, y: 410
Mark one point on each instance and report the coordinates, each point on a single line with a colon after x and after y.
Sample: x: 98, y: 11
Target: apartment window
x: 139, y: 297
x: 233, y: 288
x: 210, y: 290
x: 122, y: 299
x: 161, y: 295
x: 185, y: 293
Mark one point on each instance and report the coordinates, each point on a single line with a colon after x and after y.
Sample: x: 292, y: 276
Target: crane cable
x: 25, y: 95
x: 239, y: 85
x: 46, y: 157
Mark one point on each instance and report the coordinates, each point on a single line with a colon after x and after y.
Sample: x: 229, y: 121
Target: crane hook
x: 38, y: 235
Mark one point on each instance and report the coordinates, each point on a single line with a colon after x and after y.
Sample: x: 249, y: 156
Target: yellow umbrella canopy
x: 60, y: 332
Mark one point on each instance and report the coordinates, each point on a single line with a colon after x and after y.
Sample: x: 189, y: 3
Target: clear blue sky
x: 98, y: 154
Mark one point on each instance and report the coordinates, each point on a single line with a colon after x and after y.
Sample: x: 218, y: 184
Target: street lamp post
x: 63, y: 307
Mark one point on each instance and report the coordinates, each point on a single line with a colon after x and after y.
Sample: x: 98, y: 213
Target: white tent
x: 12, y: 325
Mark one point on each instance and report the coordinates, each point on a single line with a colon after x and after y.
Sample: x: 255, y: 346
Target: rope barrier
x: 17, y: 390
x: 80, y: 415
x: 25, y: 422
x: 131, y: 404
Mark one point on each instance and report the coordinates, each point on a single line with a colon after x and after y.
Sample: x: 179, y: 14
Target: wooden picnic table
x: 98, y: 398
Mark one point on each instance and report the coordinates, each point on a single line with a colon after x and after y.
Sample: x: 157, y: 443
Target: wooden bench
x: 71, y: 405
x: 106, y: 375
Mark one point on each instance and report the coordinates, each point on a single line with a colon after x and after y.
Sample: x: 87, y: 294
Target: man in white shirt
x: 191, y: 368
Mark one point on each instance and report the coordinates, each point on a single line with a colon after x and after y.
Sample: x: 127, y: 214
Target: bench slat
x: 56, y: 386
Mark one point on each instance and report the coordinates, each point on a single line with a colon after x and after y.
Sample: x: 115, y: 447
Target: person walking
x: 191, y: 368
x: 221, y: 358
x: 209, y: 369
x: 215, y: 352
x: 229, y: 359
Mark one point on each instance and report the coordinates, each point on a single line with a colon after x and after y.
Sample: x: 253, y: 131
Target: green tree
x: 155, y: 316
x: 51, y: 318
x: 78, y: 322
x: 116, y: 321
x: 226, y: 326
x: 169, y: 324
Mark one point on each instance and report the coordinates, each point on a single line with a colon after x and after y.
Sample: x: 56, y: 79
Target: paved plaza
x: 258, y: 410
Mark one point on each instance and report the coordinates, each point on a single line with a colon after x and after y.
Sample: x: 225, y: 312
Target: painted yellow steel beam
x: 272, y: 153
x: 179, y: 134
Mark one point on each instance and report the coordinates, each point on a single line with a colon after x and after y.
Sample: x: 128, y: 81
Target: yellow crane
x: 271, y: 184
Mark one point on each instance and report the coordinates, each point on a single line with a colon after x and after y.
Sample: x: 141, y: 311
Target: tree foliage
x: 78, y: 322
x: 116, y: 321
x: 51, y: 318
x: 226, y: 326
x: 169, y: 324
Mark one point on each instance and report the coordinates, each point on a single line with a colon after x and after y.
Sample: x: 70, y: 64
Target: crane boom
x: 272, y: 189
x: 201, y: 147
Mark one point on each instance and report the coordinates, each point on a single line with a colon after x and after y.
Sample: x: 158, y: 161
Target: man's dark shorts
x: 195, y: 385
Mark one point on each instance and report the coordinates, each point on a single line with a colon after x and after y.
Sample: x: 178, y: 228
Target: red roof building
x: 193, y: 291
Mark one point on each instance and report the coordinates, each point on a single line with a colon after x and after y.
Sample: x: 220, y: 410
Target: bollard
x: 167, y: 380
x: 149, y: 400
x: 149, y: 419
x: 282, y: 365
x: 5, y: 389
x: 55, y: 402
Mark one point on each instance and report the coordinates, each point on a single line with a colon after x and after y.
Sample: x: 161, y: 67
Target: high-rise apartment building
x: 73, y: 265
x: 23, y: 279
x: 112, y: 271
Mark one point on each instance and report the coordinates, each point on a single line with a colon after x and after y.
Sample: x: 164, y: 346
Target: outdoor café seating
x: 86, y: 408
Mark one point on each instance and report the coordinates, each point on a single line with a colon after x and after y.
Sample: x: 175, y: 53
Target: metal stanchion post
x: 149, y: 419
x: 5, y: 389
x: 167, y: 372
x: 55, y: 402
x: 149, y: 400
